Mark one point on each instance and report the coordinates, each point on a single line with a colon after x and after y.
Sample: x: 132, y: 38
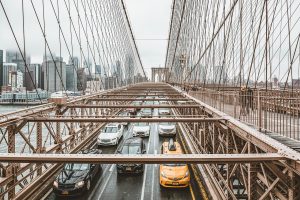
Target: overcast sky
x: 150, y: 20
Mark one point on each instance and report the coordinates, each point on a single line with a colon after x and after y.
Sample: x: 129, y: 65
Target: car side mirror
x: 118, y: 151
x: 144, y: 151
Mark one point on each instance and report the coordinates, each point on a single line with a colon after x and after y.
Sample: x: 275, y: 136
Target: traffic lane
x: 98, y: 190
x: 102, y: 173
x: 125, y: 186
x: 152, y: 189
x: 155, y: 191
x: 116, y: 186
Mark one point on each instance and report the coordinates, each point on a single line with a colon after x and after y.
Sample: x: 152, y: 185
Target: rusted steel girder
x: 136, y: 99
x: 133, y: 106
x: 119, y: 120
x: 144, y: 158
x: 142, y: 95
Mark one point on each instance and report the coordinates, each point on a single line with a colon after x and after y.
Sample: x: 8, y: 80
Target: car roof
x: 171, y: 148
x: 112, y: 125
x: 90, y: 151
x: 133, y: 140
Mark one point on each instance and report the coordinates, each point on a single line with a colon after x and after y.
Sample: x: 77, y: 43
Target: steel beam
x: 144, y: 158
x: 119, y: 120
x: 136, y: 99
x: 133, y: 106
x: 141, y: 95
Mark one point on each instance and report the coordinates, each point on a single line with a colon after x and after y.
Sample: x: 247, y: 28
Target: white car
x: 181, y: 102
x: 163, y: 101
x: 141, y: 129
x: 164, y: 111
x: 146, y: 112
x: 167, y: 129
x: 110, y: 135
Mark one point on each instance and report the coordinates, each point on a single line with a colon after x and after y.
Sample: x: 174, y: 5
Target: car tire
x: 88, y: 185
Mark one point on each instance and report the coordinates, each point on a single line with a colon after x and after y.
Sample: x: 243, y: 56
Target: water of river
x: 10, y: 108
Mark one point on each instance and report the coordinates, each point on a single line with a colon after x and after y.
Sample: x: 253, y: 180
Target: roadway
x: 110, y: 185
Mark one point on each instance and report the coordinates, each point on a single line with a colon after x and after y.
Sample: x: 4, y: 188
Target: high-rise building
x: 74, y: 61
x: 129, y: 69
x: 7, y: 67
x: 29, y: 80
x: 15, y: 79
x: 1, y: 69
x: 54, y: 74
x: 16, y: 57
x: 71, y: 78
x: 37, y: 72
x: 82, y: 79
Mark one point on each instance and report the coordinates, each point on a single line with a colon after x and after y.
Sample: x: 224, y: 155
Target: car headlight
x: 55, y: 184
x: 79, y: 184
x: 186, y: 174
x: 163, y: 174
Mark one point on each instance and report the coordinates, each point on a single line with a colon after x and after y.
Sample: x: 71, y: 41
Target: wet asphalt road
x: 146, y: 186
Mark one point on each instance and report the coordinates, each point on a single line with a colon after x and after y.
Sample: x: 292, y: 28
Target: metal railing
x: 269, y: 111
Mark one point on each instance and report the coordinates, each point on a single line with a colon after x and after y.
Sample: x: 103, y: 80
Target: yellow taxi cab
x: 173, y: 175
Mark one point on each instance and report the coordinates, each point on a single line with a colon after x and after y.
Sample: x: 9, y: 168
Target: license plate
x: 128, y: 168
x: 65, y: 192
x: 175, y: 183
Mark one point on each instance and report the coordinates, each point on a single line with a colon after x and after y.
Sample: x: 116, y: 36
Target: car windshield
x: 142, y: 124
x: 76, y: 167
x: 110, y: 130
x: 164, y: 109
x: 175, y: 165
x: 147, y: 110
x: 131, y: 149
x: 166, y: 123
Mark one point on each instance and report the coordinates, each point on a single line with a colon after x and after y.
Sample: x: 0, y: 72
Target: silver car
x: 146, y: 112
x: 110, y: 135
x: 141, y: 129
x: 164, y: 111
x: 167, y: 129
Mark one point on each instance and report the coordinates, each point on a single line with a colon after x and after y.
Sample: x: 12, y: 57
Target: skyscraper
x: 16, y: 57
x: 1, y: 69
x: 7, y: 68
x: 71, y: 78
x: 129, y: 69
x: 54, y: 75
x: 37, y: 72
x: 82, y: 79
x: 74, y: 61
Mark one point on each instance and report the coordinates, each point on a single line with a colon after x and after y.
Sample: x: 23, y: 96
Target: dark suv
x: 132, y: 146
x: 76, y: 178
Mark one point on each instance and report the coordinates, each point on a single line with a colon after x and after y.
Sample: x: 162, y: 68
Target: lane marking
x: 192, y: 192
x: 145, y: 174
x: 110, y: 166
x: 105, y: 184
x: 99, y: 181
x: 155, y: 152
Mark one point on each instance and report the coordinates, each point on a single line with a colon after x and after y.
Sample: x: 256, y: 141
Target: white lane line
x: 153, y: 178
x: 145, y: 174
x: 112, y: 168
x: 99, y: 181
x: 105, y: 184
x: 155, y: 152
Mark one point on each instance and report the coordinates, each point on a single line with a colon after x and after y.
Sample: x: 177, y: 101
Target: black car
x: 76, y: 178
x: 132, y: 146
